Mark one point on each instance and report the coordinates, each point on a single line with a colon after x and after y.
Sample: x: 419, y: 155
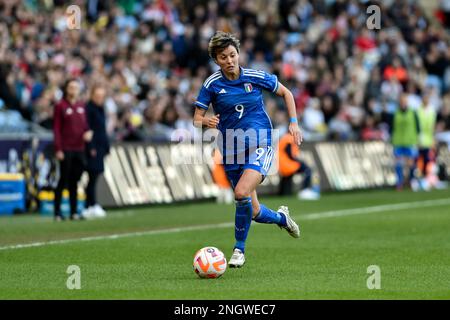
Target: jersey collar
x: 241, y: 72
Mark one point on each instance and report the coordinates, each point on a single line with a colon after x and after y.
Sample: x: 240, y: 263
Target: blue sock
x: 243, y: 219
x: 399, y: 172
x: 267, y: 215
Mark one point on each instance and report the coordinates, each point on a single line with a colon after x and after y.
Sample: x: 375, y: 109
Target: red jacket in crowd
x: 69, y: 125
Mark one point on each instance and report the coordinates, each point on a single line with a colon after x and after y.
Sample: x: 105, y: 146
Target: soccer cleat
x: 415, y: 185
x: 291, y: 227
x: 77, y: 217
x: 99, y: 212
x: 308, y: 194
x: 88, y: 213
x: 237, y: 260
x: 59, y: 218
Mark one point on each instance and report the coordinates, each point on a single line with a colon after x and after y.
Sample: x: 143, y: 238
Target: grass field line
x: 310, y: 216
x: 380, y: 208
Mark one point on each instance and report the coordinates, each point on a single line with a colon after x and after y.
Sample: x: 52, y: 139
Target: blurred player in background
x: 96, y: 150
x: 290, y: 164
x: 427, y: 122
x: 405, y: 131
x: 236, y: 96
x: 71, y: 132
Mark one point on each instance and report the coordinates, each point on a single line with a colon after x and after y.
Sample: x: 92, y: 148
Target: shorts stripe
x: 268, y: 159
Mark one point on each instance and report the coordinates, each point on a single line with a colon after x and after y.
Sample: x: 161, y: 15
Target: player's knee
x: 240, y: 193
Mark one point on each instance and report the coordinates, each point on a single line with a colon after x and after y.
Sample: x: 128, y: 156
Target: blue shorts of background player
x: 408, y: 152
x: 405, y: 156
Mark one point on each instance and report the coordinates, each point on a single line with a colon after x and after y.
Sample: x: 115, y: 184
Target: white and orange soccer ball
x: 209, y: 262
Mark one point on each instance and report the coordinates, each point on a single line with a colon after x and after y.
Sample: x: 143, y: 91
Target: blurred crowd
x: 152, y: 56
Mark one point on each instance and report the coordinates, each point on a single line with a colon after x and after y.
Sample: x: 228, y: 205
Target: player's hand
x: 294, y: 130
x: 60, y: 155
x: 87, y: 136
x: 213, y: 121
x: 93, y: 153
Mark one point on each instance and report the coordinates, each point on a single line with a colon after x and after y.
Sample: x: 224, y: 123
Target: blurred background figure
x: 314, y: 124
x: 290, y: 165
x: 151, y: 57
x: 427, y: 123
x: 405, y: 131
x: 96, y: 150
x: 443, y: 122
x: 71, y: 131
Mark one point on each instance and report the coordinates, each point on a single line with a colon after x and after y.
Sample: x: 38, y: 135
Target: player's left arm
x: 294, y: 129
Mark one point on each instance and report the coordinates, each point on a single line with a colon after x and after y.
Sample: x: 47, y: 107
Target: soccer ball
x: 209, y: 262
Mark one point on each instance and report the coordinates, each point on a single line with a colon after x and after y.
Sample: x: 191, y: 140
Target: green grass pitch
x: 410, y: 243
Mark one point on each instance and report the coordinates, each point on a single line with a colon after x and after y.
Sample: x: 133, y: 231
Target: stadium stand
x: 152, y: 56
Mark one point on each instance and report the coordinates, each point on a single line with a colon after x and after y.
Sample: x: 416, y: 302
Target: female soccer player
x: 245, y: 134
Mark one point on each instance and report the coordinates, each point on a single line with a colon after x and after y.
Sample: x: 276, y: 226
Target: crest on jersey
x: 248, y: 87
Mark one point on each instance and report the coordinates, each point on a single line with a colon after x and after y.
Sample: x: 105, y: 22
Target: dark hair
x: 95, y: 87
x: 66, y: 84
x: 221, y: 40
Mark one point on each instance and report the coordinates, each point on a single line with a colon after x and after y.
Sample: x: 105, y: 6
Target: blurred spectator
x: 291, y: 164
x: 370, y: 132
x: 314, y: 121
x: 96, y: 150
x: 71, y: 132
x: 427, y: 122
x: 146, y: 50
x: 373, y: 87
x: 330, y: 107
x: 396, y: 71
x: 443, y: 122
x: 443, y: 13
x: 414, y: 99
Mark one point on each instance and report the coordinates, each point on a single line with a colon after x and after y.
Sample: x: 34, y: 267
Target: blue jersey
x: 239, y: 102
x: 241, y: 107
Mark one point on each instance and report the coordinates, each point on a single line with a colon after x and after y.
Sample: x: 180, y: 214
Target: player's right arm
x: 201, y: 120
x: 204, y: 99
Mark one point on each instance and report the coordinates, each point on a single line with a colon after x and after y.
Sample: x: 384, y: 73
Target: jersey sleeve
x: 204, y: 98
x: 269, y: 82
